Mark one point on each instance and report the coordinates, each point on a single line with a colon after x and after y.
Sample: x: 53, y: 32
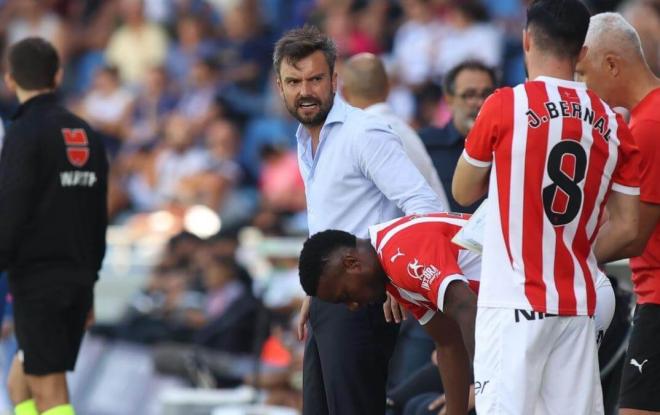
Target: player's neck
x: 642, y: 82
x: 24, y: 95
x: 552, y: 67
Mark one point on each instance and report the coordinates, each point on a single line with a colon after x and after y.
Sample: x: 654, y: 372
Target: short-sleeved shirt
x: 556, y: 151
x: 645, y: 128
x: 420, y: 260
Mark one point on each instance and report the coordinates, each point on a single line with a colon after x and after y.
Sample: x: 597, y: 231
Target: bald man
x: 365, y: 85
x: 615, y: 68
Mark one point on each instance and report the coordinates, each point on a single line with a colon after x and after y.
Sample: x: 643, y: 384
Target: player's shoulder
x: 501, y: 97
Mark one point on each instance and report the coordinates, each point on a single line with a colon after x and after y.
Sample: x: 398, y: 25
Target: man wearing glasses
x: 465, y: 88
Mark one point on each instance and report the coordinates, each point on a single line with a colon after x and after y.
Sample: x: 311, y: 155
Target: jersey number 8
x: 567, y: 164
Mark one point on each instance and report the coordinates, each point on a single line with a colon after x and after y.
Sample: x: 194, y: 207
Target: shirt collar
x: 561, y: 82
x: 48, y: 97
x: 337, y: 114
x: 380, y: 108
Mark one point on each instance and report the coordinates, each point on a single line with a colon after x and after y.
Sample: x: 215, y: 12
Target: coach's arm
x: 470, y: 182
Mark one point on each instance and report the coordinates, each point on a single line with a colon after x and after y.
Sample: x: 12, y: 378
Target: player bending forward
x: 414, y: 259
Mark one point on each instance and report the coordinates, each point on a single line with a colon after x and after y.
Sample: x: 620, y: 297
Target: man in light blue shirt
x: 356, y: 174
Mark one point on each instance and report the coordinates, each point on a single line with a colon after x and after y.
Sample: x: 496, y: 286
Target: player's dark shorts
x: 49, y: 324
x: 640, y: 385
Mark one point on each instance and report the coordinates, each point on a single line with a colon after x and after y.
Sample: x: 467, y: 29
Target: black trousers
x: 346, y: 360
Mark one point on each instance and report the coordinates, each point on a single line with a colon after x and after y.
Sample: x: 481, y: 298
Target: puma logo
x: 398, y: 254
x: 639, y: 366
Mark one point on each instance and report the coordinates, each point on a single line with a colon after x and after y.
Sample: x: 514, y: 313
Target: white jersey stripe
x: 548, y: 238
x: 443, y: 288
x: 627, y: 190
x: 421, y: 219
x: 414, y: 298
x: 475, y: 162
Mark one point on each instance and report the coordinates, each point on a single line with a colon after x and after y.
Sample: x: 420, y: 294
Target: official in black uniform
x: 53, y: 218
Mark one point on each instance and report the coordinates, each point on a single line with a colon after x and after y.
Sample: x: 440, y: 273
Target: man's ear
x: 613, y: 64
x: 58, y: 77
x: 583, y: 53
x: 279, y: 86
x: 334, y: 82
x: 10, y: 82
x: 449, y: 99
x: 526, y: 40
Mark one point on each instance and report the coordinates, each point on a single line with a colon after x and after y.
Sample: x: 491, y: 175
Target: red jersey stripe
x: 503, y: 165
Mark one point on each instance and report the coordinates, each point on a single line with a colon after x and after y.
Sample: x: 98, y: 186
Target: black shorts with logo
x: 49, y: 323
x: 640, y: 384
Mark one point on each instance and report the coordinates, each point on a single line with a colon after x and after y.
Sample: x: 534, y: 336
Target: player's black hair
x: 315, y: 254
x: 33, y: 63
x: 297, y: 44
x: 449, y: 81
x: 559, y: 26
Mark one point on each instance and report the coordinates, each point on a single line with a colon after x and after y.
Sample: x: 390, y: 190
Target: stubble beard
x: 316, y: 119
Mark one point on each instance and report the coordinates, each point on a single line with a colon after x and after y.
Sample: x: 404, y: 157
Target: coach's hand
x: 393, y: 310
x: 303, y: 318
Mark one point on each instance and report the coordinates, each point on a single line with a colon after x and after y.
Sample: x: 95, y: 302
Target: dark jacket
x: 445, y: 146
x: 53, y: 196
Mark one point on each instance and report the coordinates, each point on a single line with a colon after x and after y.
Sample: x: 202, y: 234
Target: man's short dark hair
x: 297, y: 44
x: 315, y: 254
x: 33, y: 63
x: 558, y: 26
x: 449, y: 81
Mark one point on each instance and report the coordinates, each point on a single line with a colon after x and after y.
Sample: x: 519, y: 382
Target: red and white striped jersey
x: 420, y: 260
x: 556, y: 151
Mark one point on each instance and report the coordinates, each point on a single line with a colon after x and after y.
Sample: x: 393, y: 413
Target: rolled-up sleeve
x: 383, y: 160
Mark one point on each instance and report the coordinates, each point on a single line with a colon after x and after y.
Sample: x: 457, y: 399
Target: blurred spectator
x: 153, y: 179
x: 30, y: 18
x: 136, y: 45
x: 281, y: 185
x: 107, y: 107
x: 190, y: 46
x: 211, y: 186
x: 155, y: 100
x: 415, y: 42
x: 91, y: 24
x: 245, y: 47
x: 469, y: 35
x: 197, y: 103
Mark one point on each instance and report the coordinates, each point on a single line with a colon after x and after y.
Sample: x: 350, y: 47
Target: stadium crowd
x: 184, y: 96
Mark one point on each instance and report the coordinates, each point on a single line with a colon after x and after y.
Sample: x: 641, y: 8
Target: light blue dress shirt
x: 360, y: 175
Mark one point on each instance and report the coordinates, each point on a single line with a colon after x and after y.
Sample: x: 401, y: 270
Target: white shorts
x: 531, y: 364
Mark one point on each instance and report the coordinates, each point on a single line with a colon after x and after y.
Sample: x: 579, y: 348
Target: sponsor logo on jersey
x: 426, y: 274
x: 77, y: 146
x: 638, y: 365
x: 78, y: 178
x: 398, y: 254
